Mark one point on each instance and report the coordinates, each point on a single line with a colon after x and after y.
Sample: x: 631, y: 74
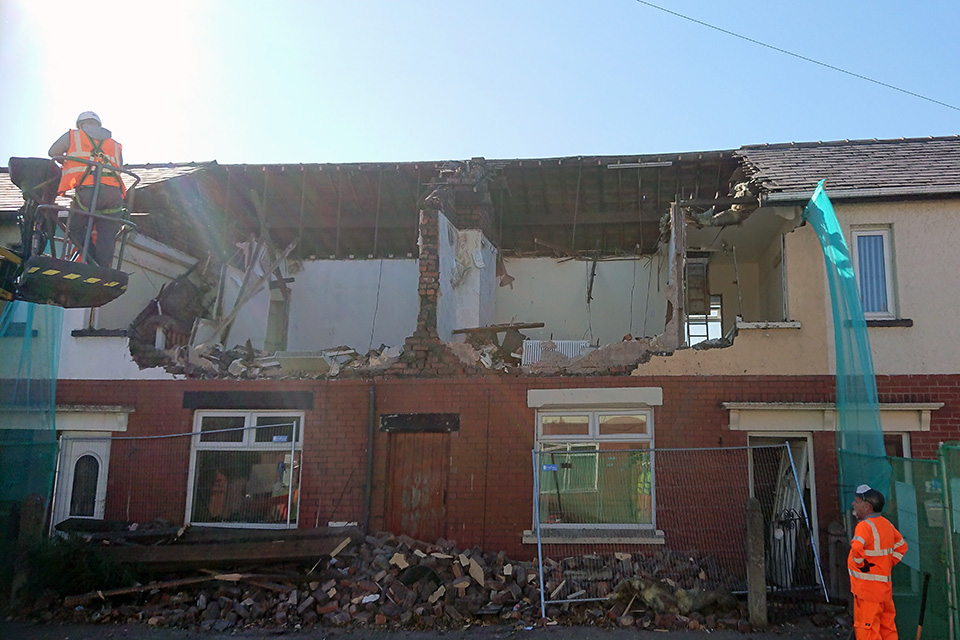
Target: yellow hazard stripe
x: 66, y: 275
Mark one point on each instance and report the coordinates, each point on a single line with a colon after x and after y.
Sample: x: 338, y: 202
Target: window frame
x: 886, y: 233
x: 247, y: 444
x: 593, y: 436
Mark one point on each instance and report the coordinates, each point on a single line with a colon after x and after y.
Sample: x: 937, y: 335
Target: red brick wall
x: 490, y: 482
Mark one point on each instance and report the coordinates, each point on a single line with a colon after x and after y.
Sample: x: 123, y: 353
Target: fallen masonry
x: 397, y: 582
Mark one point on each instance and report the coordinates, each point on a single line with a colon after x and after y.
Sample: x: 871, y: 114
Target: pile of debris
x: 397, y: 582
x: 246, y: 363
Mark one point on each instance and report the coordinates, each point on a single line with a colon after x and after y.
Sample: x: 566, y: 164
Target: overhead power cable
x: 797, y: 55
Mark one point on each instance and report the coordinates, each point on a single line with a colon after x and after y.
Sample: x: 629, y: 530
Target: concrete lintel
x: 599, y: 397
x: 814, y: 416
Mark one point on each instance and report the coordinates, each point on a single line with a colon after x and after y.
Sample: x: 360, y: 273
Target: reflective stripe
x: 858, y: 560
x: 881, y: 552
x: 859, y: 539
x: 868, y: 576
x: 876, y: 535
x: 898, y: 555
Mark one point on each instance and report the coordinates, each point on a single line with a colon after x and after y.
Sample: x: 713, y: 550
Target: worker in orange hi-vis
x: 876, y: 547
x: 91, y: 141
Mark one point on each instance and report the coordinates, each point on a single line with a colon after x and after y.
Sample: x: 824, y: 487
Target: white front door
x: 81, y: 485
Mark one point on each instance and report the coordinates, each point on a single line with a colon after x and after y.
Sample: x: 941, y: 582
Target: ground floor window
x: 245, y: 468
x: 595, y: 468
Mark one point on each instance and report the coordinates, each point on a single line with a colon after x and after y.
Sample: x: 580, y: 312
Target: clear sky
x: 289, y: 81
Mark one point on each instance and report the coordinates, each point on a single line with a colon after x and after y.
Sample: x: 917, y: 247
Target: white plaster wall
x: 471, y: 300
x: 335, y: 302
x: 251, y: 322
x: 99, y: 358
x: 447, y: 262
x: 150, y: 265
x: 770, y: 274
x: 627, y: 298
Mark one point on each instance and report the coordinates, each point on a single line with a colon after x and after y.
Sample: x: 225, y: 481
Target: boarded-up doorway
x: 419, y: 469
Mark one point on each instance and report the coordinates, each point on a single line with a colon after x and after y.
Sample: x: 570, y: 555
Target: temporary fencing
x: 238, y: 476
x: 604, y: 512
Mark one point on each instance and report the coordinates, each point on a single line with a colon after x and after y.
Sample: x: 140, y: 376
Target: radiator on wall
x: 532, y: 349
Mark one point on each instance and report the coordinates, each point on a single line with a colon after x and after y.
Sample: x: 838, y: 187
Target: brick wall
x: 489, y: 494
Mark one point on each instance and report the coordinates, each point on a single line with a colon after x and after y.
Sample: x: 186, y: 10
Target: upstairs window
x: 873, y: 266
x: 708, y: 326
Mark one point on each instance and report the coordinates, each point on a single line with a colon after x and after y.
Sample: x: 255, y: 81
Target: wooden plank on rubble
x: 228, y: 553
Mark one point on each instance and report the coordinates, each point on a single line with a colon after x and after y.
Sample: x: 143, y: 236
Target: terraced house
x: 386, y: 344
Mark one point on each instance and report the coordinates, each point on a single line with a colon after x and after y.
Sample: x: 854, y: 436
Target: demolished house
x: 384, y: 344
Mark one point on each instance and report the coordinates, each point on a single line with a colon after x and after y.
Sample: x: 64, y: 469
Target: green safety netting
x: 29, y: 354
x: 950, y: 470
x: 860, y: 450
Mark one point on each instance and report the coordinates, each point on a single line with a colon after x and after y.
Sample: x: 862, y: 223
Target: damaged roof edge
x: 802, y: 197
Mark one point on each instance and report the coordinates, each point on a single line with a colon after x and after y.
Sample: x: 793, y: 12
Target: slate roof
x: 856, y: 168
x: 11, y: 200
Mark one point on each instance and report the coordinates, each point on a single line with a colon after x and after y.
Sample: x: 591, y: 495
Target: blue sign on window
x: 550, y: 467
x: 279, y: 438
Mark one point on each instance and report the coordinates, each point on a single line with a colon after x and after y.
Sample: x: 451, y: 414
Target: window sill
x: 592, y: 535
x: 891, y: 322
x: 790, y: 324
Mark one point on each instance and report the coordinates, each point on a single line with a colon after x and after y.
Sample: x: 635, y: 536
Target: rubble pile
x: 397, y: 582
x: 246, y: 363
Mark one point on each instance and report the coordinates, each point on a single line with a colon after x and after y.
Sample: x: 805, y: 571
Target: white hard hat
x: 88, y: 115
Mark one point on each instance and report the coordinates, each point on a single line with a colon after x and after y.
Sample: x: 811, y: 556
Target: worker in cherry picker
x: 91, y: 141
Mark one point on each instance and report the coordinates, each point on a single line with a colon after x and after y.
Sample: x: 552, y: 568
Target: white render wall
x: 627, y: 298
x: 98, y: 357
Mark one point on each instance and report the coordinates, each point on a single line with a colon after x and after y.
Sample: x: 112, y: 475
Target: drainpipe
x: 371, y: 433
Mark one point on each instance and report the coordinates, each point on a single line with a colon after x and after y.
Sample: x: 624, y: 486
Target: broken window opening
x: 706, y: 326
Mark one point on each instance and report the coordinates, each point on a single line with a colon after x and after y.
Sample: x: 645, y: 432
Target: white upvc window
x: 245, y: 469
x: 873, y: 265
x: 595, y: 468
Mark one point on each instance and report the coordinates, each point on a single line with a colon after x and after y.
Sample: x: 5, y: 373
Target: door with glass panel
x: 81, y: 486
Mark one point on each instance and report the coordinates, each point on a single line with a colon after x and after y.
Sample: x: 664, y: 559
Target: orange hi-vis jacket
x: 83, y: 146
x: 876, y: 547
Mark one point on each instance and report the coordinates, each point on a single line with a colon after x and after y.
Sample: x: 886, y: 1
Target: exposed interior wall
x: 251, y: 322
x: 628, y: 297
x: 770, y: 275
x: 150, y: 265
x: 737, y: 301
x: 769, y: 350
x: 357, y: 303
x: 467, y: 279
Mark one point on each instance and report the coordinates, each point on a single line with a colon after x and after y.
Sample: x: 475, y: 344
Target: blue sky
x: 239, y: 81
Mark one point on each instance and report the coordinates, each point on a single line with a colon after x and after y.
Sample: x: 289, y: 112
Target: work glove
x: 867, y: 565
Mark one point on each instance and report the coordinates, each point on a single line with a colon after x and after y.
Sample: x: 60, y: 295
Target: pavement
x: 14, y: 630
